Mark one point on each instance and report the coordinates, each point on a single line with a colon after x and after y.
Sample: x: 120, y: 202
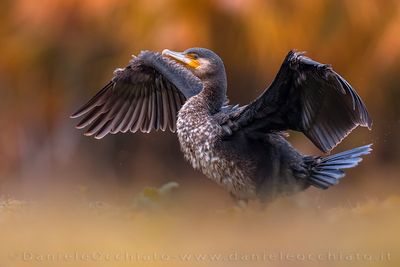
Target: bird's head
x: 202, y: 62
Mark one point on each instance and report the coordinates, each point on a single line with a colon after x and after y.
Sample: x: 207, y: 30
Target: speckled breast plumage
x: 198, y: 134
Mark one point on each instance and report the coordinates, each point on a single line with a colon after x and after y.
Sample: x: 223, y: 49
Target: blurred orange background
x: 55, y: 54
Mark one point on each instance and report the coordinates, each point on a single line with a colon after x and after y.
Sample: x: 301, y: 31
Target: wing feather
x: 158, y: 109
x: 143, y: 111
x: 165, y: 109
x: 128, y: 116
x: 153, y: 111
x: 305, y: 96
x: 171, y: 108
x: 133, y: 125
x: 96, y: 100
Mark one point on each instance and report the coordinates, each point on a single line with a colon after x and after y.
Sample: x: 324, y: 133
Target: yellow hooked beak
x: 185, y: 59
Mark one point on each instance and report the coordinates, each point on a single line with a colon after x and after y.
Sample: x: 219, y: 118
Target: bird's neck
x: 213, y: 94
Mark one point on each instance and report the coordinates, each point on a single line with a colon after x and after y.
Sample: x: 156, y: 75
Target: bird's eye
x: 194, y: 56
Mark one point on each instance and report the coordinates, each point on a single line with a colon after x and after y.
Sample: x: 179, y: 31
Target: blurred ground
x: 183, y: 230
x: 55, y: 54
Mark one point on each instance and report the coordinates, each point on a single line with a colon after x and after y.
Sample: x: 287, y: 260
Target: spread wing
x: 305, y: 96
x: 145, y: 96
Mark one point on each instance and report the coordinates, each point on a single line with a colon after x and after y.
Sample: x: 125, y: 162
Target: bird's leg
x: 239, y: 202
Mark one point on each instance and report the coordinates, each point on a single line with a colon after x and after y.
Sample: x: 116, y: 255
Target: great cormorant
x: 242, y: 148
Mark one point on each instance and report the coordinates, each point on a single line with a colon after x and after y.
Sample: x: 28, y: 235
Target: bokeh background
x: 55, y: 54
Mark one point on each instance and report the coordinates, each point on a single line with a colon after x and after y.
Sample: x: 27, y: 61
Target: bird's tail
x: 327, y: 171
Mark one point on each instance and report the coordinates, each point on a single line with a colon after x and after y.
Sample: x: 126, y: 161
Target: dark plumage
x: 241, y: 148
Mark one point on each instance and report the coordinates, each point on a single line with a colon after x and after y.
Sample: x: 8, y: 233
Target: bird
x: 244, y: 149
